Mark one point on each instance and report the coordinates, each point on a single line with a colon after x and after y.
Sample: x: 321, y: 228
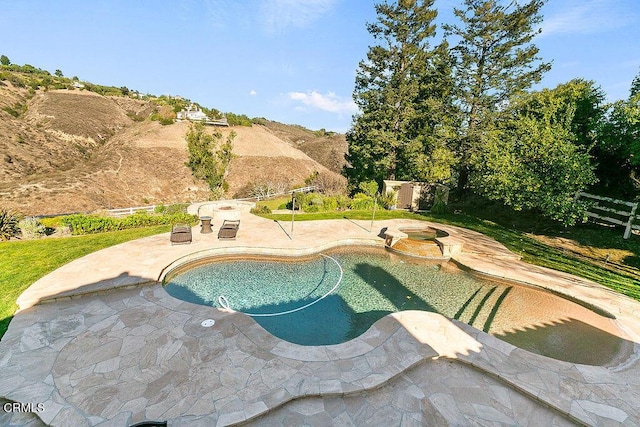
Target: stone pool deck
x: 99, y: 342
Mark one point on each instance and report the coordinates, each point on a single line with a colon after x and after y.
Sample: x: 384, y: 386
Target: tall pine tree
x: 496, y: 60
x: 404, y: 91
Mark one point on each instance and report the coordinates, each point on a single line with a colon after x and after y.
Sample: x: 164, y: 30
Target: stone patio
x: 99, y: 342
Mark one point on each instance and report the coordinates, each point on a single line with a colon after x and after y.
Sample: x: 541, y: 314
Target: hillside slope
x: 76, y: 151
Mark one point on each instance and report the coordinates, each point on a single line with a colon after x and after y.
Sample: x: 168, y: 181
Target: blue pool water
x: 334, y: 297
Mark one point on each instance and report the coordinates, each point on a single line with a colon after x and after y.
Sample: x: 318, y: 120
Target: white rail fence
x: 130, y: 211
x: 267, y: 194
x: 151, y: 209
x: 613, y: 211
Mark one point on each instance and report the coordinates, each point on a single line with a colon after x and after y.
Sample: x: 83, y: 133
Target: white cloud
x: 329, y: 102
x: 253, y: 93
x: 586, y: 17
x: 278, y: 15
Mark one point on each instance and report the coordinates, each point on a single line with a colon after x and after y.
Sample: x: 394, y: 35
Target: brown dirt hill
x: 326, y: 148
x: 75, y: 151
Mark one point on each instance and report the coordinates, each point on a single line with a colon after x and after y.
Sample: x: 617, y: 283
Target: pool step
x: 423, y: 249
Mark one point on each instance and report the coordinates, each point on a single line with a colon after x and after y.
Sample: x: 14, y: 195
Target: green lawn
x: 24, y: 262
x: 274, y: 204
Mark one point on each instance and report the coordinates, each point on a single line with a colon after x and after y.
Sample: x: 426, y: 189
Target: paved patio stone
x: 121, y: 354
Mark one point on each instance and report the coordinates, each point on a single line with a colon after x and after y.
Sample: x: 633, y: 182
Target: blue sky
x: 293, y: 61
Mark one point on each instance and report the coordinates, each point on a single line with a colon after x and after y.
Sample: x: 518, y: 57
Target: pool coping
x: 513, y: 366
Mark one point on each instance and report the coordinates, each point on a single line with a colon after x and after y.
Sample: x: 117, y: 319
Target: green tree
x: 403, y: 92
x: 58, y: 73
x: 586, y: 100
x: 635, y: 86
x: 618, y: 148
x: 495, y: 61
x: 530, y: 159
x: 369, y: 188
x: 4, y: 60
x: 224, y: 157
x: 206, y: 161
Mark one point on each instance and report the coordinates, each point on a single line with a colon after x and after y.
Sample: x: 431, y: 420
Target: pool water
x: 332, y: 298
x: 424, y: 234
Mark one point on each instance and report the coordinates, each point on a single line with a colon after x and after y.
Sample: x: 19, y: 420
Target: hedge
x: 89, y: 224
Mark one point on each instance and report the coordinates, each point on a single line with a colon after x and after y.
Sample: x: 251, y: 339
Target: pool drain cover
x: 208, y: 323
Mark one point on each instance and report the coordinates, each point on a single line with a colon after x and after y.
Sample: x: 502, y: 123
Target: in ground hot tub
x: 427, y: 234
x: 419, y: 242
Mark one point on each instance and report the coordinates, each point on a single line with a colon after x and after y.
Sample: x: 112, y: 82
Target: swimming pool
x: 333, y: 297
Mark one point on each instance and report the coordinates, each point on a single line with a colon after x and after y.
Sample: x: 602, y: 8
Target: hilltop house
x: 194, y: 114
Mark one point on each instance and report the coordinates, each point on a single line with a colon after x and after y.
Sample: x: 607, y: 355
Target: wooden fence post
x: 632, y: 216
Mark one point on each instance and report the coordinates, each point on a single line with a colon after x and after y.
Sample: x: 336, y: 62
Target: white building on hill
x: 194, y: 114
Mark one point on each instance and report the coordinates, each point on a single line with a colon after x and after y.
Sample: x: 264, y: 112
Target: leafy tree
x: 204, y: 164
x: 403, y: 90
x: 58, y: 73
x: 369, y: 188
x: 618, y: 148
x: 224, y: 157
x: 635, y: 86
x: 587, y: 101
x: 238, y: 120
x: 530, y: 159
x: 4, y: 60
x: 496, y: 60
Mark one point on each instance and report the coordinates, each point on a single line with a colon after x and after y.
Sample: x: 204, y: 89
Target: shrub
x: 238, y: 120
x: 329, y: 204
x: 89, y: 224
x: 31, y: 228
x: 314, y: 203
x: 8, y: 224
x: 311, y: 208
x: 369, y: 188
x: 362, y: 201
x: 17, y: 110
x: 301, y: 200
x: 164, y: 115
x: 343, y: 202
x: 388, y: 200
x: 260, y: 210
x: 52, y: 222
x: 177, y: 208
x: 171, y: 209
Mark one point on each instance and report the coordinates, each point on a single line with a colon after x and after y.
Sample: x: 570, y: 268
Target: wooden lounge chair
x: 180, y: 233
x: 229, y: 229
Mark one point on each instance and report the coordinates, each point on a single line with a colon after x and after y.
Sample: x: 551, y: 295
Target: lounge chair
x: 229, y: 229
x: 180, y: 233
